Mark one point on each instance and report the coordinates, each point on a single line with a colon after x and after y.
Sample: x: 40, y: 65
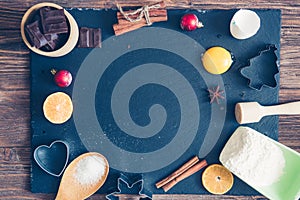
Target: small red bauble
x: 62, y: 78
x: 190, y: 22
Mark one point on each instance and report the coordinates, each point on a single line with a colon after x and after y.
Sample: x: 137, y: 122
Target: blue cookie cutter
x: 134, y: 190
x: 52, y: 159
x: 262, y: 69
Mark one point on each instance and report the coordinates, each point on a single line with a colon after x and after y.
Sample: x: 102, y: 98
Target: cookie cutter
x: 52, y: 159
x: 262, y: 69
x: 130, y: 191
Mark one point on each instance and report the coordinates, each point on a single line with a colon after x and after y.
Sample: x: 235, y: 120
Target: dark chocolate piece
x: 53, y: 21
x: 53, y: 41
x: 89, y: 37
x: 37, y: 39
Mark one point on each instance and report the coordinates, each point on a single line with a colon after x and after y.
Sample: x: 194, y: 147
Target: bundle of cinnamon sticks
x: 186, y: 170
x: 153, y: 13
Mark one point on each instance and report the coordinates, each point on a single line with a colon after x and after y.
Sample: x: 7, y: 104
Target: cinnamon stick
x: 120, y: 29
x: 178, y: 172
x: 184, y: 175
x: 127, y: 26
x: 152, y: 13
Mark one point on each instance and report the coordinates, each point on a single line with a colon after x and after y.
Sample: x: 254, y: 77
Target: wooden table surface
x: 15, y: 153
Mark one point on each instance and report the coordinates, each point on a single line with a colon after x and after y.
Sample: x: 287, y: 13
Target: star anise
x: 216, y: 94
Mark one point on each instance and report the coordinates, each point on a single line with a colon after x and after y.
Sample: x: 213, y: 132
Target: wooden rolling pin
x: 250, y: 112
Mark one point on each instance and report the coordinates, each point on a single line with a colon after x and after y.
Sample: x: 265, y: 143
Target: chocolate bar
x: 89, y: 37
x: 53, y: 21
x: 37, y: 39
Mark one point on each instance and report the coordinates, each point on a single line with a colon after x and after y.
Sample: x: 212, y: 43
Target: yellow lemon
x: 217, y: 60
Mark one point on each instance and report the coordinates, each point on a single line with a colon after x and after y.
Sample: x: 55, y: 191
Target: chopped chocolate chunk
x: 53, y: 41
x: 97, y: 37
x: 89, y: 37
x: 53, y: 21
x: 52, y: 36
x: 37, y: 39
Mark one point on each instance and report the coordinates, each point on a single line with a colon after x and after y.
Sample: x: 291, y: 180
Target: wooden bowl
x: 73, y: 32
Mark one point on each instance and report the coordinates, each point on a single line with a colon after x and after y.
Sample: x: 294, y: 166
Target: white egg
x: 244, y: 24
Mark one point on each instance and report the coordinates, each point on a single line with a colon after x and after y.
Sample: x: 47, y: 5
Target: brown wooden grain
x: 15, y: 152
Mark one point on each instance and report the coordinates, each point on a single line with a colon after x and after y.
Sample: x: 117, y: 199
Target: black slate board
x: 215, y: 33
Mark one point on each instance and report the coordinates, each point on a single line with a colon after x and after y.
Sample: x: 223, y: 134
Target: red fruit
x: 190, y: 22
x: 62, y: 78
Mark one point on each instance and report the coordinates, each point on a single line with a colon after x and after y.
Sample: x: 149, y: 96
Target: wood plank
x: 15, y: 110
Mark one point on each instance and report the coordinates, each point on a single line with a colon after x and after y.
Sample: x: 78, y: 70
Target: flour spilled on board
x: 253, y: 158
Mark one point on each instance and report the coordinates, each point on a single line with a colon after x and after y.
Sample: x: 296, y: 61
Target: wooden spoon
x: 71, y: 189
x: 249, y: 112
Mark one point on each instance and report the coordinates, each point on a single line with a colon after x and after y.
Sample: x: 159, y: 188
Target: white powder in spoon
x: 253, y: 157
x: 90, y: 170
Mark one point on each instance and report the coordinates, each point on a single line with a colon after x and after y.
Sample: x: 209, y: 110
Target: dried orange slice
x: 217, y: 179
x: 58, y: 107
